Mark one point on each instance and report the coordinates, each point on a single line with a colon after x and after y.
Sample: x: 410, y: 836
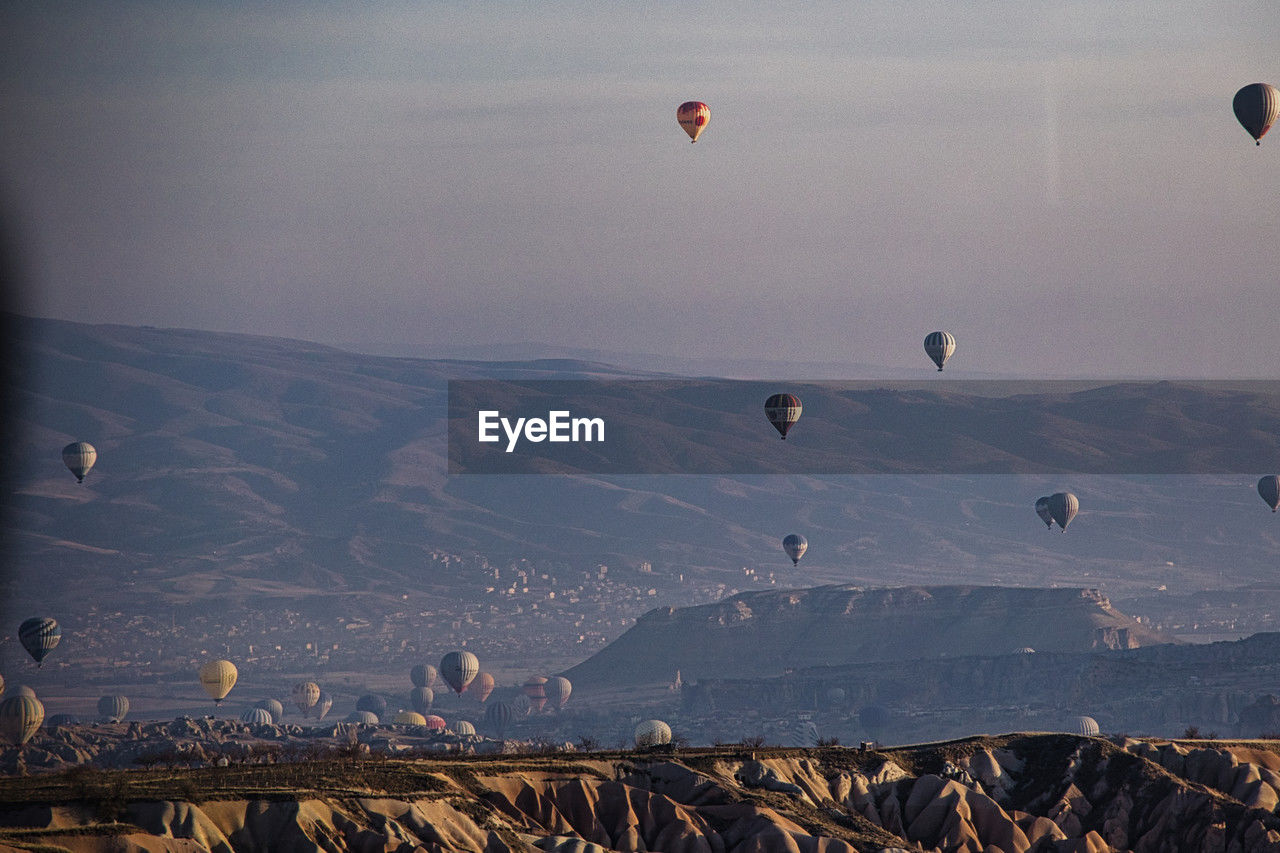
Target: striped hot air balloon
x: 421, y: 698
x: 464, y: 728
x: 795, y: 545
x: 458, y: 669
x: 373, y: 703
x: 693, y: 117
x: 1257, y: 107
x: 273, y: 707
x: 481, y: 686
x: 79, y: 457
x: 305, y: 695
x: 783, y: 410
x: 39, y: 635
x: 939, y: 346
x: 409, y: 718
x: 536, y: 690
x: 423, y: 675
x: 363, y: 718
x: 20, y: 718
x: 558, y: 689
x: 257, y: 717
x: 113, y: 708
x: 1063, y: 507
x: 498, y: 716
x: 1086, y: 726
x: 435, y: 723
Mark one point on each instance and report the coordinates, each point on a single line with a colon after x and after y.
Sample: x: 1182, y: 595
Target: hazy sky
x: 1062, y: 186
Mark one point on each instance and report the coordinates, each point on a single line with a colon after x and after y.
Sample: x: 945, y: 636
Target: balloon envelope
x: 1063, y: 507
x: 1257, y: 106
x: 458, y: 669
x: 365, y: 718
x: 939, y: 346
x: 1086, y: 726
x: 783, y: 410
x: 257, y: 717
x: 558, y: 689
x: 423, y: 675
x: 39, y: 635
x: 435, y: 723
x: 693, y: 117
x: 272, y: 706
x: 498, y: 716
x: 322, y: 705
x: 113, y: 708
x: 795, y: 545
x: 79, y: 457
x: 481, y: 686
x: 1042, y: 510
x: 409, y: 718
x: 305, y: 695
x: 217, y: 677
x: 464, y: 728
x: 536, y: 690
x: 1269, y: 488
x: 421, y: 698
x: 652, y: 733
x: 373, y: 703
x: 20, y: 717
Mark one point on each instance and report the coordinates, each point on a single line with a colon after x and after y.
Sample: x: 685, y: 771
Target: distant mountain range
x: 769, y: 633
x: 253, y: 471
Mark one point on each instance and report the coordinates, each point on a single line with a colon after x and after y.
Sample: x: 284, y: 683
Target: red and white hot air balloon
x: 693, y: 117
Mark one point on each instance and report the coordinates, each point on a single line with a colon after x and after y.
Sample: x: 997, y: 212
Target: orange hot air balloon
x: 481, y: 687
x: 693, y: 117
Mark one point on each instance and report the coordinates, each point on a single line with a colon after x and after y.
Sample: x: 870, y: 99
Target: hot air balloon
x: 464, y: 728
x: 435, y: 723
x: 364, y: 718
x: 217, y: 677
x: 20, y: 717
x: 409, y: 718
x: 651, y: 733
x: 79, y: 457
x: 272, y: 707
x: 323, y: 705
x: 458, y: 669
x: 1063, y: 507
x: 939, y: 346
x: 373, y: 703
x: 1042, y: 510
x: 113, y: 708
x: 693, y: 117
x: 305, y: 695
x: 557, y: 689
x: 498, y: 716
x: 795, y: 545
x: 536, y: 690
x: 1, y: 685
x: 23, y: 690
x: 481, y: 686
x: 421, y: 698
x: 39, y: 635
x: 423, y: 675
x: 1257, y: 107
x: 1269, y: 488
x: 1086, y: 726
x: 783, y: 410
x: 257, y: 717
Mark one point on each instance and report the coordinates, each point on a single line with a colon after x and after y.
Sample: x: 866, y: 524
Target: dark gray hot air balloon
x: 939, y: 346
x: 79, y: 457
x: 273, y: 707
x: 113, y: 708
x: 795, y: 545
x: 1063, y: 507
x: 423, y: 675
x: 498, y: 716
x: 373, y: 703
x: 421, y: 698
x: 557, y: 689
x: 1042, y: 510
x: 1269, y: 488
x: 783, y: 410
x: 39, y: 635
x: 1257, y: 107
x: 458, y: 668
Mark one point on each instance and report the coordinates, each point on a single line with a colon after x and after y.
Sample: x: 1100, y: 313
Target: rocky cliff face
x: 758, y: 634
x: 1015, y: 793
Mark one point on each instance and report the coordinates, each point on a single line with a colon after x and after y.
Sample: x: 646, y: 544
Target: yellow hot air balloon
x: 217, y: 677
x: 693, y: 117
x: 20, y: 717
x: 409, y: 718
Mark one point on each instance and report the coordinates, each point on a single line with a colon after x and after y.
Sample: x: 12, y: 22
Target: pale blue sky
x: 1061, y: 185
